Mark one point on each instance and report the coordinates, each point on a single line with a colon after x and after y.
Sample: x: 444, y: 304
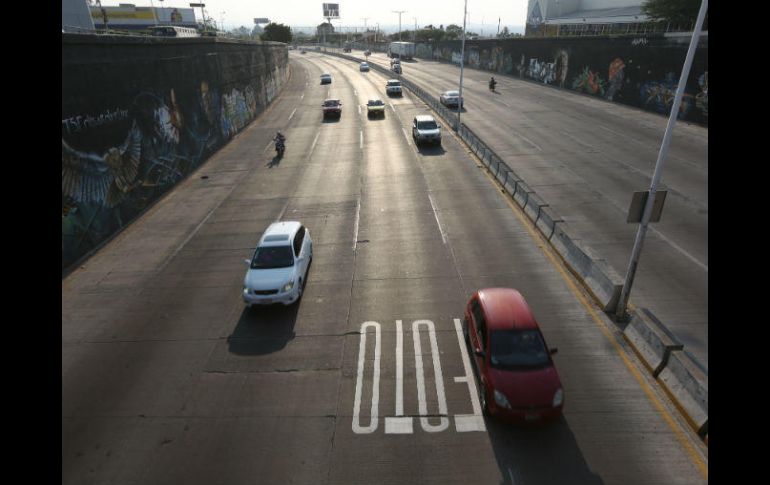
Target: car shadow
x: 331, y: 120
x: 453, y: 109
x: 431, y: 151
x: 375, y: 117
x: 544, y: 454
x: 263, y: 329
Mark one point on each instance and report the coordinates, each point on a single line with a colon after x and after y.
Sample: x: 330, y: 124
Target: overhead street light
x: 399, y: 12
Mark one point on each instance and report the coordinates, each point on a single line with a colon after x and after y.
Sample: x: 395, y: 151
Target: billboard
x: 331, y: 10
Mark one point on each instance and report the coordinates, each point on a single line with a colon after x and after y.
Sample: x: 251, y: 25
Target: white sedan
x: 278, y: 270
x: 451, y: 99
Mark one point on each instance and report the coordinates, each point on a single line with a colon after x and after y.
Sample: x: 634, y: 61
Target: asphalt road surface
x: 167, y: 378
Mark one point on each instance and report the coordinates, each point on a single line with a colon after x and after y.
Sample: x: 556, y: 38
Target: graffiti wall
x: 139, y: 115
x: 641, y: 71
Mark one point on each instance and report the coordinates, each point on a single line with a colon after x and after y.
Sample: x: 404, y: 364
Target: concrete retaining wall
x: 139, y: 114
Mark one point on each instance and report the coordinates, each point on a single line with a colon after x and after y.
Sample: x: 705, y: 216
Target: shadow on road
x: 332, y: 120
x: 275, y: 161
x: 263, y: 329
x: 431, y: 151
x: 541, y: 454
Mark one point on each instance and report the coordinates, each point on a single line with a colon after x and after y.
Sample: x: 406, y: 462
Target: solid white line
x: 357, y: 428
x: 437, y: 374
x: 406, y: 135
x: 399, y: 368
x: 576, y: 139
x: 361, y: 139
x: 685, y: 253
x: 312, y: 147
x: 435, y: 214
x: 292, y: 114
x: 355, y: 229
x: 468, y: 377
x: 529, y: 141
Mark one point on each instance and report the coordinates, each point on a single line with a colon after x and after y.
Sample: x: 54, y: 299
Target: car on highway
x: 375, y: 107
x: 426, y: 130
x: 517, y: 378
x: 396, y: 68
x: 367, y: 52
x: 279, y: 267
x: 332, y: 107
x: 393, y: 87
x: 364, y: 67
x: 451, y: 99
x: 303, y: 51
x: 326, y: 78
x: 346, y: 49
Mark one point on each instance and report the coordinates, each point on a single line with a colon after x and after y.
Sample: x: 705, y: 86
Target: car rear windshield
x: 426, y: 125
x: 273, y: 257
x: 376, y: 103
x: 333, y: 102
x: 394, y: 83
x: 517, y: 349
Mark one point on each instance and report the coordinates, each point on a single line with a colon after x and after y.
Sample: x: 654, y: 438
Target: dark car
x: 517, y: 377
x: 332, y: 107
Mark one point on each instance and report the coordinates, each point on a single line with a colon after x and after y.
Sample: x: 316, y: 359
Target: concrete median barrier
x: 686, y: 381
x: 598, y: 276
x: 651, y: 340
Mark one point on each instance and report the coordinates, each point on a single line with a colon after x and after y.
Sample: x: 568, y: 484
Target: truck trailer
x: 401, y: 50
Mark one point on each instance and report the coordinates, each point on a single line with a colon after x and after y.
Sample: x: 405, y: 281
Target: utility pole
x: 462, y: 58
x: 620, y: 311
x: 399, y: 12
x: 414, y: 35
x: 366, y: 31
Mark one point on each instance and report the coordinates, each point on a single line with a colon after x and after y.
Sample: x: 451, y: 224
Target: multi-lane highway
x: 586, y: 157
x: 166, y: 378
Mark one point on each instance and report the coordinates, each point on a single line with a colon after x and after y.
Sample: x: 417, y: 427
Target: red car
x: 518, y: 380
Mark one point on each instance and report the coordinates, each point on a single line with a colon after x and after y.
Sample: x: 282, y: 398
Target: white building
x: 75, y: 16
x: 586, y: 17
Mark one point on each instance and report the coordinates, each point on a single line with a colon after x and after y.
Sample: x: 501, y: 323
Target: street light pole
x: 462, y: 58
x: 620, y: 311
x: 399, y: 12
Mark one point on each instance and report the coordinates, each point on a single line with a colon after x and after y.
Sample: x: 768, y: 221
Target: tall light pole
x: 414, y: 35
x: 462, y: 59
x: 366, y: 30
x: 620, y: 310
x: 222, y: 20
x: 399, y: 12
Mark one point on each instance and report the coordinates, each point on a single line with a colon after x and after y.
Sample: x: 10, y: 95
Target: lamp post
x: 399, y: 12
x: 462, y: 59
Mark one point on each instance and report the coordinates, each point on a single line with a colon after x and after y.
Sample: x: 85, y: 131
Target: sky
x: 483, y: 14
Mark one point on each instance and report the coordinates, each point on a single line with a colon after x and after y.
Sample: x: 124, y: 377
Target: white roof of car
x: 279, y: 233
x: 451, y: 93
x: 420, y: 118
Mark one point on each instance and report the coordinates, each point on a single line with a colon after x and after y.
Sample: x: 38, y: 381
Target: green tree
x: 504, y: 34
x: 453, y: 32
x: 241, y: 33
x: 677, y: 12
x: 277, y: 33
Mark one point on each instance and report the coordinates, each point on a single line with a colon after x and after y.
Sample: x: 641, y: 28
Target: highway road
x: 586, y: 157
x: 167, y: 378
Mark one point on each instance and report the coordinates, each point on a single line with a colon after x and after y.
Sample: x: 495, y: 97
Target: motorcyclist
x: 492, y: 83
x: 280, y: 142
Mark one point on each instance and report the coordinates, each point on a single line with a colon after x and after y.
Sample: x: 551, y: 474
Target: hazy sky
x: 307, y: 13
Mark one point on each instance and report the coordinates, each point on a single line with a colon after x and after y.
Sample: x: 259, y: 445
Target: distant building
x: 587, y: 17
x: 75, y: 16
x: 127, y: 16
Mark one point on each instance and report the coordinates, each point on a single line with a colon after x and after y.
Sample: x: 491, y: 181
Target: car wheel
x: 483, y: 399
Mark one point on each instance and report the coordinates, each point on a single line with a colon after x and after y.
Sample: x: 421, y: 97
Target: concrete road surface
x: 167, y: 378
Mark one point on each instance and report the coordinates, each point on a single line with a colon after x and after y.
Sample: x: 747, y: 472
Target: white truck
x: 402, y: 50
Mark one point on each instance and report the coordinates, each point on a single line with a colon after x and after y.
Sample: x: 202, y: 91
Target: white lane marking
x: 355, y: 229
x: 435, y: 214
x: 406, y: 135
x: 529, y: 141
x: 361, y: 139
x: 578, y: 140
x: 312, y: 147
x: 475, y: 421
x: 357, y: 428
x: 439, y: 378
x: 359, y: 109
x: 681, y: 250
x: 355, y: 93
x: 399, y: 424
x: 303, y: 96
x: 292, y: 114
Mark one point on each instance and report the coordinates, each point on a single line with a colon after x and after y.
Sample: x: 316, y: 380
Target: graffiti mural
x: 702, y: 98
x: 615, y: 77
x: 659, y: 96
x: 117, y: 161
x: 588, y: 82
x: 623, y: 69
